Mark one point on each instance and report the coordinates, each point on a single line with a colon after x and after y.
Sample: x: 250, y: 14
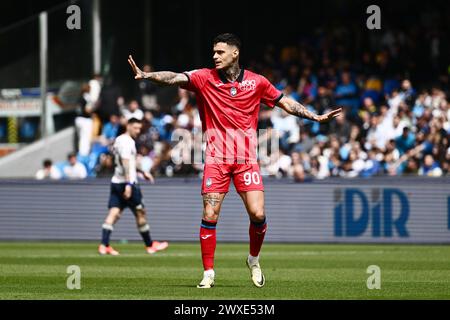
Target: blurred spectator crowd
x: 392, y: 125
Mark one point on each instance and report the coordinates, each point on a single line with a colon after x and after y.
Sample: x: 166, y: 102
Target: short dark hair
x: 228, y: 38
x: 71, y: 155
x: 47, y: 163
x: 134, y: 120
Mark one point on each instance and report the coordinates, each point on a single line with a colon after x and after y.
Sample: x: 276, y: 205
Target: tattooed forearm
x: 126, y: 169
x: 166, y: 78
x: 299, y: 110
x: 293, y: 107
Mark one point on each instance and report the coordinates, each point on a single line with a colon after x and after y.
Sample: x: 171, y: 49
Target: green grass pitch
x: 37, y: 270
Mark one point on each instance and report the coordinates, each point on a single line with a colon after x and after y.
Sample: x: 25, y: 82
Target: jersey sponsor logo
x: 219, y: 84
x: 247, y: 85
x: 233, y: 91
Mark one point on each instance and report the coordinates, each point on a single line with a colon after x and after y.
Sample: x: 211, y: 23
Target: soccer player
x: 125, y: 191
x: 229, y: 99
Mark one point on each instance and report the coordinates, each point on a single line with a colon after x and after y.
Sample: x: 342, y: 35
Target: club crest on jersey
x: 208, y: 182
x: 233, y: 91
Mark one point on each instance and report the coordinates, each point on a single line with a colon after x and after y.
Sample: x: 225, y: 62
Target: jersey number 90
x: 252, y: 177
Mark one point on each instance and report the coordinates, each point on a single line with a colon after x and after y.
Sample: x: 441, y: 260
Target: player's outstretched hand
x: 138, y: 73
x: 330, y: 115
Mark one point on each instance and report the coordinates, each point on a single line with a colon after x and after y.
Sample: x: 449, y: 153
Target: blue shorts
x: 116, y: 199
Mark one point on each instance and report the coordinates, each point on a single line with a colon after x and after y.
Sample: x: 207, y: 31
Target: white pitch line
x: 228, y: 254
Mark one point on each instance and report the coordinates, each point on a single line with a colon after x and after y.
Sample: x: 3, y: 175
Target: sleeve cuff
x: 187, y: 75
x: 278, y: 99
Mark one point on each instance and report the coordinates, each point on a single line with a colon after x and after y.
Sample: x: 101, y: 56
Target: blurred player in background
x: 125, y: 191
x: 229, y: 99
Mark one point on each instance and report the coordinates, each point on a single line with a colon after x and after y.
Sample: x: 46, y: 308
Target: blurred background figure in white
x: 48, y: 171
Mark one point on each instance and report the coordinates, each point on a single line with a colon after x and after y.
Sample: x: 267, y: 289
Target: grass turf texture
x: 34, y: 270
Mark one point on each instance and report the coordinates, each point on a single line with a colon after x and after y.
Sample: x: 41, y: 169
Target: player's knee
x: 210, y: 214
x: 113, y: 217
x: 140, y: 213
x: 210, y: 217
x: 257, y: 215
x: 141, y: 217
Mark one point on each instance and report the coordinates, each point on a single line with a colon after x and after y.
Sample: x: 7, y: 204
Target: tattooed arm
x: 166, y: 78
x: 293, y: 107
x: 126, y: 173
x: 126, y: 168
x: 163, y: 78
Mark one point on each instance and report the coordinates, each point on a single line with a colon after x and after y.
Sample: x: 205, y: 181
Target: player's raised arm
x: 297, y: 109
x: 164, y: 78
